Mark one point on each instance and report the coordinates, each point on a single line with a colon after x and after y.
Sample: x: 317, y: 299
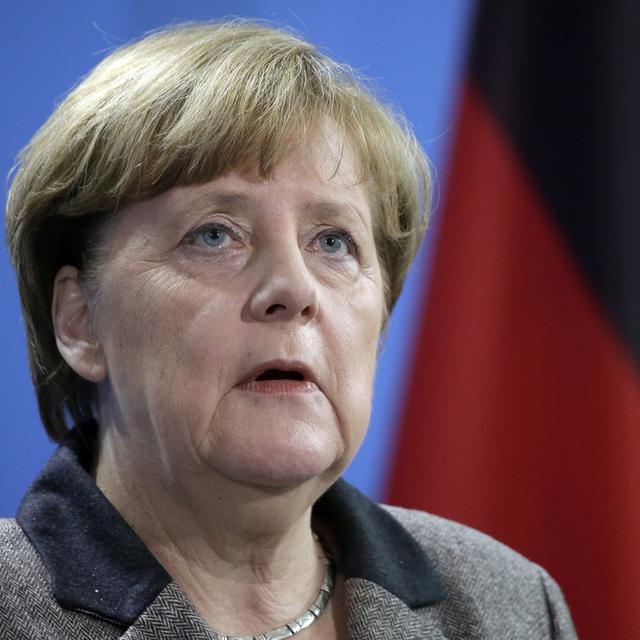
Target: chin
x: 284, y: 468
x: 284, y: 451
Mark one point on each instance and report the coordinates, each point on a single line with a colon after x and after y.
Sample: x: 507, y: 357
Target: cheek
x: 164, y: 344
x: 352, y: 352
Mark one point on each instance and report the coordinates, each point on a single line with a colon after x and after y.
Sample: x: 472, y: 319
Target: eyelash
x: 194, y: 234
x: 341, y: 233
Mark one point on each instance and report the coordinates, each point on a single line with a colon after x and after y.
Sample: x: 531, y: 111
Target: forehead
x: 323, y: 155
x: 317, y: 172
x: 317, y: 176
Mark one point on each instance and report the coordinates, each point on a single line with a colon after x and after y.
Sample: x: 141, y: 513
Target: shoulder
x: 477, y: 572
x: 453, y: 544
x: 29, y: 611
x: 18, y: 559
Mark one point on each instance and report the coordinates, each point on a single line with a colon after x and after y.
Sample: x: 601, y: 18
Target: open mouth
x: 279, y: 374
x: 281, y: 377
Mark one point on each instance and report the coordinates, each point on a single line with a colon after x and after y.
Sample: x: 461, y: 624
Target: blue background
x: 415, y: 51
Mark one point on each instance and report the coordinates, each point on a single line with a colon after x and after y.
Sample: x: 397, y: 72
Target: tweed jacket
x: 72, y: 569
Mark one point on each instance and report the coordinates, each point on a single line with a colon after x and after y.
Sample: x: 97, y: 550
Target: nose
x: 286, y: 290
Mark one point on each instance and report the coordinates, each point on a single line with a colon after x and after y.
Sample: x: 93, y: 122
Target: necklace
x: 295, y: 626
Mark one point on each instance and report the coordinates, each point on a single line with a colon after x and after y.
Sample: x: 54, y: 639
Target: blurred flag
x: 523, y: 409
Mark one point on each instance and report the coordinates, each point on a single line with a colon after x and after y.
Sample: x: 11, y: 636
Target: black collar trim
x: 376, y: 547
x: 95, y: 561
x: 99, y: 565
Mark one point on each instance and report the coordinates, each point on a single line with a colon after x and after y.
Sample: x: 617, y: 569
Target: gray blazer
x: 72, y: 569
x: 491, y: 592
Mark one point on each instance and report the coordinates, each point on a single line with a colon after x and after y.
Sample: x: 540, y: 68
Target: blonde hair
x: 181, y: 106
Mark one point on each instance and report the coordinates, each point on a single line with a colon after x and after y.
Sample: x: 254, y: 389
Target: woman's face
x: 239, y: 320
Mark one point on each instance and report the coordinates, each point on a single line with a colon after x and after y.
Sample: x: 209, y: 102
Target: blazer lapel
x: 373, y: 613
x: 169, y: 617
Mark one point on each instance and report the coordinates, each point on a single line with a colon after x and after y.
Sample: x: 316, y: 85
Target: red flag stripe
x: 523, y: 408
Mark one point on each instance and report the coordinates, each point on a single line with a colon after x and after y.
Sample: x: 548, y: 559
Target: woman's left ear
x: 75, y: 334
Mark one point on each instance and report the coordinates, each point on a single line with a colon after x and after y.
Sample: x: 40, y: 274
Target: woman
x: 209, y: 234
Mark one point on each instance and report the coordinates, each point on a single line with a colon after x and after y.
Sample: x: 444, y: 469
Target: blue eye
x: 211, y: 236
x: 336, y: 243
x: 214, y: 236
x: 331, y: 243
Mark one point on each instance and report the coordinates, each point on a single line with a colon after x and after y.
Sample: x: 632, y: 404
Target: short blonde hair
x: 181, y: 106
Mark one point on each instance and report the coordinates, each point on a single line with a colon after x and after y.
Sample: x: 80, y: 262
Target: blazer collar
x: 372, y: 614
x: 95, y: 561
x: 99, y: 565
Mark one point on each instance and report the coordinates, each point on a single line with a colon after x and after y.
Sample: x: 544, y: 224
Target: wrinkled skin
x: 202, y: 284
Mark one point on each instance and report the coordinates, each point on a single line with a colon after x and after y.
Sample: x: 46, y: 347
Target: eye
x: 335, y: 242
x: 212, y: 236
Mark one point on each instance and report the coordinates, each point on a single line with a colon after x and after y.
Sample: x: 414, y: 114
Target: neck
x: 245, y: 556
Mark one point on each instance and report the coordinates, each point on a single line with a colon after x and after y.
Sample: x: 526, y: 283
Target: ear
x: 75, y: 334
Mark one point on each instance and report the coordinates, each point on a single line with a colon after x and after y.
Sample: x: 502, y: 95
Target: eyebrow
x: 223, y: 199
x: 336, y: 211
x: 204, y: 202
x: 332, y: 210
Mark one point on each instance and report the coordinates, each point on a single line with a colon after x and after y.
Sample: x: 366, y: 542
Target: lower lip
x: 281, y: 387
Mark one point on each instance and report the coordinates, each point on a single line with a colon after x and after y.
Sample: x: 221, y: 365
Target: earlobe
x: 75, y: 334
